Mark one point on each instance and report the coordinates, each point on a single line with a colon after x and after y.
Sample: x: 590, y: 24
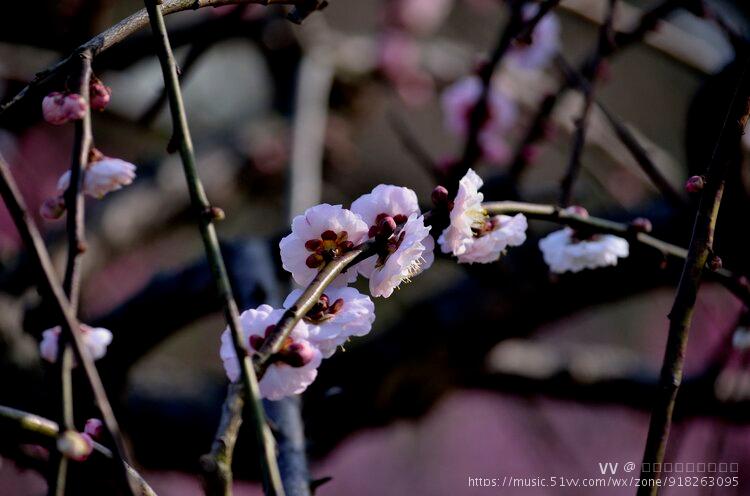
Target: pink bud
x: 59, y: 108
x: 716, y: 263
x: 52, y: 208
x: 99, y: 95
x: 439, y: 195
x: 94, y: 428
x: 695, y: 184
x: 642, y: 224
x: 388, y: 226
x: 298, y: 354
x: 577, y: 210
x: 75, y: 445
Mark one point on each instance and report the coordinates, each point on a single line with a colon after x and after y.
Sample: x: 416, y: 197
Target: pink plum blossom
x: 99, y: 95
x: 419, y: 16
x: 59, y: 108
x: 102, y: 177
x: 96, y: 340
x: 545, y: 42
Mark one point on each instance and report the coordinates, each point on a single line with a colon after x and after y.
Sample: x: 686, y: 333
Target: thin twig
x: 50, y: 287
x: 626, y: 137
x: 181, y: 138
x: 552, y: 213
x: 701, y: 245
x: 116, y: 34
x: 537, y: 130
x: 216, y: 466
x: 72, y: 280
x: 579, y: 136
x: 45, y: 427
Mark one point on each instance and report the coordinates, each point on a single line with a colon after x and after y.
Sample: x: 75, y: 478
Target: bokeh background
x: 469, y: 372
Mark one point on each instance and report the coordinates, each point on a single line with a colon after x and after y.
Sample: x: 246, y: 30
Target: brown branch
x: 216, y: 466
x: 51, y: 288
x: 551, y: 213
x: 116, y: 34
x: 681, y: 314
x: 625, y: 136
x: 579, y: 136
x: 183, y: 141
x: 45, y: 427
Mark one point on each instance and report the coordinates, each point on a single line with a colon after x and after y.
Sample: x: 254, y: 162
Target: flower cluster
x: 60, y: 108
x: 96, y: 340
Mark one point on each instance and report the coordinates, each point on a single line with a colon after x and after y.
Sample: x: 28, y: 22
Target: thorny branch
x: 206, y: 214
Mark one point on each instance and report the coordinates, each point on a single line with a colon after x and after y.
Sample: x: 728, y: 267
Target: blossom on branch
x: 99, y: 95
x: 59, y: 108
x: 567, y: 250
x: 473, y: 236
x: 458, y: 102
x: 319, y: 235
x: 96, y: 340
x: 292, y: 369
x: 339, y: 314
x: 101, y: 177
x: 544, y: 42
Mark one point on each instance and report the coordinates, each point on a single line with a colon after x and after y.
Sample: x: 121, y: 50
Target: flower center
x: 324, y: 310
x: 481, y: 222
x: 291, y: 353
x: 327, y: 247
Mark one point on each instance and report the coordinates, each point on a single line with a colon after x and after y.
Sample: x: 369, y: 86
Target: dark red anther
x: 313, y: 244
x: 337, y: 306
x: 329, y: 235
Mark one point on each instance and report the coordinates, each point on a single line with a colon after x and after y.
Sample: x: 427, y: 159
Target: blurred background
x: 470, y: 371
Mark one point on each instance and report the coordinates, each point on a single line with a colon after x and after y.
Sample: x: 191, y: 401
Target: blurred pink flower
x: 545, y: 42
x: 96, y: 340
x: 99, y: 95
x: 59, y: 108
x: 399, y: 56
x: 419, y: 16
x: 102, y: 177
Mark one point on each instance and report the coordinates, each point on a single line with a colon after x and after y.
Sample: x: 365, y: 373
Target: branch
x: 579, y: 136
x: 181, y: 138
x: 72, y: 282
x: 552, y: 213
x: 29, y: 422
x: 51, y: 288
x: 216, y: 466
x: 114, y: 35
x: 701, y: 246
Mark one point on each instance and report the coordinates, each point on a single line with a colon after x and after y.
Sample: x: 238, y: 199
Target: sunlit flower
x: 458, y: 102
x: 563, y: 251
x: 101, y: 177
x: 339, y: 314
x: 294, y: 367
x: 545, y: 41
x: 383, y: 201
x: 96, y: 340
x: 59, y: 108
x: 473, y: 236
x: 319, y: 235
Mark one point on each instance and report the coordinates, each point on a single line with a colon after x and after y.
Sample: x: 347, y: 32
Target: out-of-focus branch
x: 604, y: 45
x: 50, y: 287
x: 216, y: 466
x: 72, y: 280
x: 206, y: 214
x: 681, y: 314
x: 552, y: 213
x: 118, y: 33
x: 44, y: 427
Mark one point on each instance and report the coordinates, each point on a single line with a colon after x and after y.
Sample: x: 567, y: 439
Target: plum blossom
x: 96, y: 340
x: 473, y: 236
x: 75, y: 445
x: 94, y: 428
x: 545, y: 42
x: 319, y: 235
x: 458, y: 102
x: 564, y: 251
x: 102, y: 177
x: 339, y: 314
x: 296, y: 364
x: 392, y: 214
x: 99, y: 95
x: 59, y: 108
x: 419, y: 16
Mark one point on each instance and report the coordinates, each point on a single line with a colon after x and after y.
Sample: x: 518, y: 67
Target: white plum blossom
x: 545, y: 42
x: 102, y: 177
x: 59, y: 108
x: 319, y: 235
x: 458, y: 101
x: 339, y: 314
x: 408, y: 252
x: 296, y: 364
x: 96, y: 340
x: 564, y: 252
x: 386, y: 201
x: 473, y: 236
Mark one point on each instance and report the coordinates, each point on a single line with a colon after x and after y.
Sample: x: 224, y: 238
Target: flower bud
x: 695, y: 184
x: 99, y: 95
x: 59, y: 108
x: 74, y: 445
x: 52, y: 208
x: 578, y: 210
x: 715, y: 263
x: 641, y: 224
x: 94, y: 428
x: 388, y: 226
x: 439, y: 195
x: 298, y: 354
